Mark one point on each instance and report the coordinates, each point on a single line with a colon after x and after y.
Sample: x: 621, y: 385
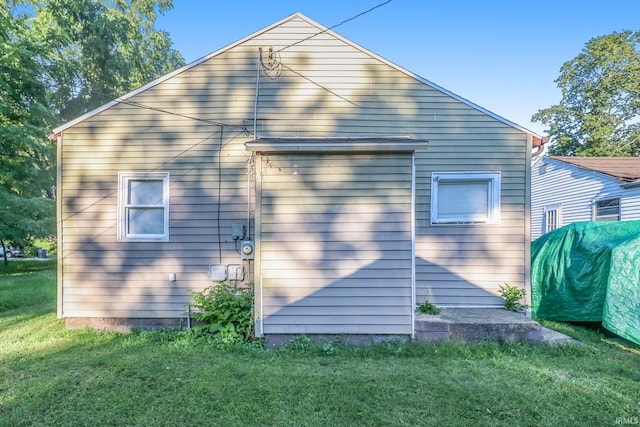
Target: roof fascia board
x: 632, y: 184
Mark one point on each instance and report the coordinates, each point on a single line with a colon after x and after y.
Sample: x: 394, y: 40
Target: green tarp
x: 589, y: 272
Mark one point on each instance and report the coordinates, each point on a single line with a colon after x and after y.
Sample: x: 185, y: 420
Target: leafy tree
x: 58, y: 60
x: 25, y: 217
x: 27, y: 157
x: 599, y: 112
x: 97, y: 50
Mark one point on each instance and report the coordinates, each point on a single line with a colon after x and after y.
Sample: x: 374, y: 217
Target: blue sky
x: 503, y: 55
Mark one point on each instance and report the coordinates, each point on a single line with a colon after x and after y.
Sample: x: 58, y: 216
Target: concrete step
x: 472, y: 325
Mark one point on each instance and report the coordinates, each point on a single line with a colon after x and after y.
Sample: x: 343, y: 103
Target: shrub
x: 513, y: 297
x: 226, y: 310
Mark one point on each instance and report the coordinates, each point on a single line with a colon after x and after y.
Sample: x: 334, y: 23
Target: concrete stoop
x: 473, y: 325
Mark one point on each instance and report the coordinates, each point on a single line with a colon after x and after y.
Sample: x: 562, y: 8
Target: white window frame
x: 492, y: 180
x: 552, y: 210
x: 123, y: 206
x: 615, y: 217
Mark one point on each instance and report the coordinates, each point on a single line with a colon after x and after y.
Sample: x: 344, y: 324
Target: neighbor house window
x: 143, y: 206
x: 607, y: 210
x: 465, y: 198
x: 552, y: 218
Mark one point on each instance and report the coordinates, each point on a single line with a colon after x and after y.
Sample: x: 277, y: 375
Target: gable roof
x: 321, y: 30
x: 625, y: 169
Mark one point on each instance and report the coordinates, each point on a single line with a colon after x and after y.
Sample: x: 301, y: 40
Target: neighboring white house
x: 573, y: 189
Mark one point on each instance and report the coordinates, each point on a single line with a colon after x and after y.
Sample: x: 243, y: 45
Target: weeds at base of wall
x: 513, y: 297
x: 427, y: 308
x: 226, y: 310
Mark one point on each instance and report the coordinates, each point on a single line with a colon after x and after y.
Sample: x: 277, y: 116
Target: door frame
x: 327, y: 145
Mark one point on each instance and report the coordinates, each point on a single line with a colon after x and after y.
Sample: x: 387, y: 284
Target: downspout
x: 255, y: 136
x: 249, y: 162
x: 539, y: 143
x: 258, y: 321
x: 413, y: 245
x: 255, y: 102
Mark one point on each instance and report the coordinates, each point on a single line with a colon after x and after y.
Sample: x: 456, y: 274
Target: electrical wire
x: 219, y: 193
x: 137, y: 104
x: 132, y: 103
x: 174, y: 181
x: 273, y: 68
x: 319, y: 85
x: 160, y: 110
x: 113, y: 193
x: 336, y: 25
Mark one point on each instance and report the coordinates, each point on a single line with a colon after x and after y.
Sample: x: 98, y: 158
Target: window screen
x: 465, y: 198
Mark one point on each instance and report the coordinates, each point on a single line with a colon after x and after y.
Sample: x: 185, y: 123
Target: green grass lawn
x: 50, y: 376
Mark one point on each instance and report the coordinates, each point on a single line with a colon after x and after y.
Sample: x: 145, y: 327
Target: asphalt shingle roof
x: 623, y: 168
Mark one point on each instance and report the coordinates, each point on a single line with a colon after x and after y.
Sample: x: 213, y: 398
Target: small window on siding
x: 607, y: 210
x: 143, y: 206
x: 552, y: 218
x: 465, y: 198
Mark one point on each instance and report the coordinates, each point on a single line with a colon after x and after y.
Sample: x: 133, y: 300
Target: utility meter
x: 247, y: 249
x: 237, y: 231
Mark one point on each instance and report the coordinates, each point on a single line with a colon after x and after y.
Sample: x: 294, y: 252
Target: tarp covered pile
x: 589, y: 271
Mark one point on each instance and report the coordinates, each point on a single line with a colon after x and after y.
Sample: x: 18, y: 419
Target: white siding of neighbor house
x: 336, y: 89
x: 575, y: 190
x: 630, y: 204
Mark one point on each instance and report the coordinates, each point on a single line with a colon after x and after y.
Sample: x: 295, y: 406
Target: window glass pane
x: 608, y: 208
x: 145, y: 192
x: 464, y: 200
x: 143, y: 206
x: 552, y: 220
x: 145, y: 221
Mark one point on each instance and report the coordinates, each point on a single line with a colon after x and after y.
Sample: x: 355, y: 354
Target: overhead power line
x: 173, y: 113
x: 319, y: 85
x: 336, y: 25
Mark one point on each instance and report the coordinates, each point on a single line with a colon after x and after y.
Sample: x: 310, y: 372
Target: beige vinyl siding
x: 464, y: 265
x: 327, y: 87
x: 335, y: 244
x: 104, y: 277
